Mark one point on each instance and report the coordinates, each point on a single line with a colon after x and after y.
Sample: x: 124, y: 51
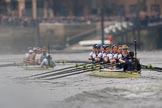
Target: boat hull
x: 115, y: 74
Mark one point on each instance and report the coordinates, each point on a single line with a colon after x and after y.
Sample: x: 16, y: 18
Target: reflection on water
x: 81, y: 91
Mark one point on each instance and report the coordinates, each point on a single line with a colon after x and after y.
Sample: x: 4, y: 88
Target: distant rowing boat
x: 107, y: 73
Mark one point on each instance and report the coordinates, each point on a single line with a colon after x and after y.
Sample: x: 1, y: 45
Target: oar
x: 7, y: 65
x: 75, y: 71
x: 59, y: 73
x: 81, y: 71
x: 150, y: 67
x: 60, y: 69
x: 70, y: 74
x: 10, y: 64
x: 101, y: 66
x: 70, y: 61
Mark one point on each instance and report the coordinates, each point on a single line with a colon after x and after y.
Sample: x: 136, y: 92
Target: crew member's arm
x: 90, y: 56
x: 122, y: 61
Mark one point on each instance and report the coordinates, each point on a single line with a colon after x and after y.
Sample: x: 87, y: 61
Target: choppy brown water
x: 80, y: 91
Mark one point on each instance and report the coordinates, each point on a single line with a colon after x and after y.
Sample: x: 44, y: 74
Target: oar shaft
x: 74, y: 69
x: 9, y: 64
x: 69, y: 74
x: 52, y: 71
x: 150, y: 67
x: 70, y: 61
x: 71, y: 67
x: 58, y: 73
x: 88, y: 68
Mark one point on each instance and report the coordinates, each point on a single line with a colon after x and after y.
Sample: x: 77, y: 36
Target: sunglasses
x: 125, y: 48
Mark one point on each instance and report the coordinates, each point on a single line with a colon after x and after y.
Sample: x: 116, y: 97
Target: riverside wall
x: 17, y: 39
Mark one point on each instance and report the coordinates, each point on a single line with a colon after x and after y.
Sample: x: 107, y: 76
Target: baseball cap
x: 30, y: 51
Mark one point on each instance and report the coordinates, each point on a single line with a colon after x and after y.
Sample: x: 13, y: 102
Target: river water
x: 80, y: 91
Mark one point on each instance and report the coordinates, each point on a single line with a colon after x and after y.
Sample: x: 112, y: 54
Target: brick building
x: 51, y: 8
x: 148, y: 7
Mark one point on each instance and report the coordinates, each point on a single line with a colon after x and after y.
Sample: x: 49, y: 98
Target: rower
x: 119, y: 57
x: 32, y: 56
x: 106, y: 55
x: 27, y: 56
x: 46, y: 59
x: 96, y: 53
x: 38, y: 56
x: 119, y: 50
x: 124, y: 54
x: 114, y: 54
